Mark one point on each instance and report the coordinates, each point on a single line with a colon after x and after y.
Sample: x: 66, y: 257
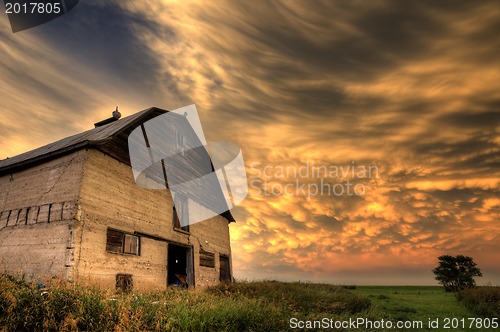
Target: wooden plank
x: 207, y: 258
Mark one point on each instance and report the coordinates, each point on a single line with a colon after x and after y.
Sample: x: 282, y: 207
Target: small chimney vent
x: 116, y: 113
x: 115, y: 116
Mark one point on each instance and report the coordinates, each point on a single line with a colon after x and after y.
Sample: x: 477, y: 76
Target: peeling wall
x: 38, y: 207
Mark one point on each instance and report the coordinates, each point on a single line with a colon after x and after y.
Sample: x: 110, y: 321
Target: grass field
x: 242, y: 306
x: 418, y: 303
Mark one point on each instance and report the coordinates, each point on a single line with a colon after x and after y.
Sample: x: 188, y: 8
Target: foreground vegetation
x: 484, y: 301
x: 412, y: 303
x: 243, y: 306
x: 255, y: 306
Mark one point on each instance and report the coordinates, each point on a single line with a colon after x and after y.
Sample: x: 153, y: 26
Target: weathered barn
x: 72, y: 209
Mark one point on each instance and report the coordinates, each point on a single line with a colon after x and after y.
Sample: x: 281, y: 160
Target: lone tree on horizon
x: 456, y: 272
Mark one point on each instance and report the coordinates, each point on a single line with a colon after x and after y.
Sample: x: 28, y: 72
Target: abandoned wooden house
x: 72, y: 209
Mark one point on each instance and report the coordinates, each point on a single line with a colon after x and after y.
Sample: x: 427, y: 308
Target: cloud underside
x: 412, y: 87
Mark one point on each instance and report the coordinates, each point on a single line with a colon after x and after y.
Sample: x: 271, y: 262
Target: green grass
x: 416, y: 303
x: 304, y: 299
x: 252, y: 306
x: 242, y: 306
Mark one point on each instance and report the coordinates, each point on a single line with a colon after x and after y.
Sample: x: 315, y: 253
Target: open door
x: 180, y: 266
x: 224, y: 269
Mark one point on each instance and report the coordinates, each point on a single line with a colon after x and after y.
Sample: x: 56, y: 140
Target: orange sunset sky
x: 409, y: 87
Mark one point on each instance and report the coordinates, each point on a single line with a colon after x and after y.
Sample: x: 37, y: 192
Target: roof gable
x: 108, y: 138
x: 93, y: 137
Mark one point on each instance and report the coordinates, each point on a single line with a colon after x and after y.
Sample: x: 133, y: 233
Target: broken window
x: 124, y: 283
x: 207, y: 258
x: 121, y: 243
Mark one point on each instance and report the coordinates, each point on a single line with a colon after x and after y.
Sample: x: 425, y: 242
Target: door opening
x: 180, y: 266
x: 224, y: 269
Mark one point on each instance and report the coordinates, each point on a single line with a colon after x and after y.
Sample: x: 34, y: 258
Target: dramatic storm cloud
x: 409, y: 87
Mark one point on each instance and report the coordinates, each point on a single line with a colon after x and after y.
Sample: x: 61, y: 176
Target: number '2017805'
x: 33, y: 8
x: 479, y: 323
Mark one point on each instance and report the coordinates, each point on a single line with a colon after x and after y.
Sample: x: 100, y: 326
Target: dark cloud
x: 488, y: 119
x: 103, y: 36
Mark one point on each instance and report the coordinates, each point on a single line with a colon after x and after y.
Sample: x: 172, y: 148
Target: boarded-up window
x: 124, y: 283
x: 207, y: 258
x: 121, y: 242
x: 114, y: 241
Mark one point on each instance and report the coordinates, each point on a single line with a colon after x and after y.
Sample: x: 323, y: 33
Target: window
x: 180, y: 143
x: 114, y: 241
x: 124, y: 283
x: 131, y: 244
x: 180, y: 214
x: 121, y: 243
x: 207, y: 258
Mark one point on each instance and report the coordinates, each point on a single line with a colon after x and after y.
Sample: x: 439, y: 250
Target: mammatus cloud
x: 412, y: 87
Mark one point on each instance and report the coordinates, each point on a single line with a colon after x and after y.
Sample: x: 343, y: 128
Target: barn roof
x: 96, y: 136
x: 106, y: 138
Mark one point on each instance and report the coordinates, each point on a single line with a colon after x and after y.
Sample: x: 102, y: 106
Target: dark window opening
x: 180, y: 266
x: 207, y: 258
x: 121, y: 243
x: 224, y: 269
x: 124, y: 283
x: 181, y: 213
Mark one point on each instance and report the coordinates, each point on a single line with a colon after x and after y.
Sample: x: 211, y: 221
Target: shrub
x: 349, y: 286
x: 484, y: 301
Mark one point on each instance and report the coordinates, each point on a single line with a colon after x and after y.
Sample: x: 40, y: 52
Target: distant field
x: 243, y: 306
x: 418, y: 303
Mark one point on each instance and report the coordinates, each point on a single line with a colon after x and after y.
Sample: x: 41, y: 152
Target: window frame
x: 122, y: 248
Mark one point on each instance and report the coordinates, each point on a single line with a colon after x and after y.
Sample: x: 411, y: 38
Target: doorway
x: 224, y: 269
x: 180, y: 266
